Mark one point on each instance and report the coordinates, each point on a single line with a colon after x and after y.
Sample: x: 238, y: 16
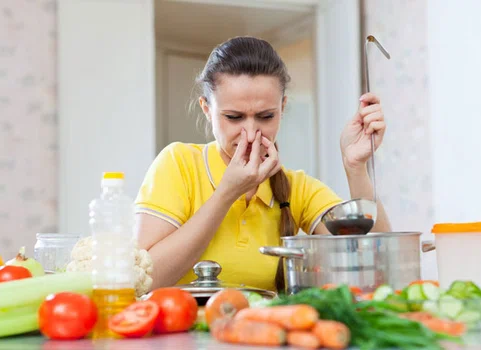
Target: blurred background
x: 88, y: 86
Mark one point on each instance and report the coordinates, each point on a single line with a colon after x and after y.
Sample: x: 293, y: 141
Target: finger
x: 275, y: 170
x: 241, y: 148
x: 255, y: 156
x: 377, y: 127
x: 364, y: 111
x: 271, y: 161
x: 373, y: 117
x: 268, y: 145
x: 369, y: 98
x: 268, y: 168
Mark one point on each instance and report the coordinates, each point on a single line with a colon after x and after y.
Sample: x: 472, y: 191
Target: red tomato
x: 177, y: 309
x: 67, y: 316
x: 11, y: 273
x: 136, y: 320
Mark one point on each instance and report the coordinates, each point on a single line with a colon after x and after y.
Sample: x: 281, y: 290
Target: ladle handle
x: 372, y: 39
x: 373, y: 173
x: 428, y: 246
x: 283, y: 252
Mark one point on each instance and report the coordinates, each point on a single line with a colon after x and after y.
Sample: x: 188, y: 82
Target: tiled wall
x: 28, y: 123
x: 404, y: 164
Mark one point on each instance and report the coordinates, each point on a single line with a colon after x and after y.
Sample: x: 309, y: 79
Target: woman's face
x: 244, y: 102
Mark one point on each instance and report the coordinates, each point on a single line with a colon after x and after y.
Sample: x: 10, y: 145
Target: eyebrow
x: 241, y: 113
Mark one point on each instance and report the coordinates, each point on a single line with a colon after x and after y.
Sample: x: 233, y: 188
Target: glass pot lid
x: 208, y: 284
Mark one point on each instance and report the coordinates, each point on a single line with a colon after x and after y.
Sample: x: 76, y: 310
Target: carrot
x: 457, y: 329
x: 291, y: 317
x: 329, y: 286
x: 247, y: 332
x: 436, y: 324
x: 332, y: 334
x: 445, y: 326
x: 303, y: 339
x: 419, y: 316
x: 355, y: 290
x: 366, y: 296
x: 436, y: 283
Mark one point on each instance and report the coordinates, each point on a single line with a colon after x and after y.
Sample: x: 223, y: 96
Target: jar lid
x: 465, y: 227
x: 58, y: 236
x: 208, y: 284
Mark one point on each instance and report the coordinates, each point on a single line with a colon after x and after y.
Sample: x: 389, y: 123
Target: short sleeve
x: 310, y: 199
x: 165, y: 191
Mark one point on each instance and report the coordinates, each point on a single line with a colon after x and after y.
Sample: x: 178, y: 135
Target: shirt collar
x: 216, y: 167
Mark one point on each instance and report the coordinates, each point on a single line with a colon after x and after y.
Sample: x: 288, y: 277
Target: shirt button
x: 243, y: 222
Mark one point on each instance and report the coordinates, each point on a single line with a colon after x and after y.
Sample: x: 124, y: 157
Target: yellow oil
x: 110, y: 302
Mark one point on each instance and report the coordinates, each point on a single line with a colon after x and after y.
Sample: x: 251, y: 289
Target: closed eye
x: 269, y: 116
x: 232, y: 117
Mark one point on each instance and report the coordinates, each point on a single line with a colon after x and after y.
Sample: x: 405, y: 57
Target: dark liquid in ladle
x: 358, y: 226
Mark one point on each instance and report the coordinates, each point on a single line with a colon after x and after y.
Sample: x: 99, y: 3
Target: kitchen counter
x: 179, y: 341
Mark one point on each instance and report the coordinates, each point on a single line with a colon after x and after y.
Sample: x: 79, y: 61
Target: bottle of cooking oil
x: 111, y: 223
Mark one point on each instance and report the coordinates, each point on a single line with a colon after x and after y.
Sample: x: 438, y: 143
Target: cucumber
x: 415, y: 297
x: 382, y: 292
x: 404, y: 293
x: 450, y: 306
x: 430, y: 291
x: 472, y: 290
x: 458, y: 289
x: 415, y: 293
x: 397, y: 303
x: 431, y: 306
x: 464, y: 290
x: 467, y: 316
x: 253, y: 297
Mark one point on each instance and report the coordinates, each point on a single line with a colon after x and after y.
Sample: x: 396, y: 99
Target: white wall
x: 106, y: 99
x: 455, y: 76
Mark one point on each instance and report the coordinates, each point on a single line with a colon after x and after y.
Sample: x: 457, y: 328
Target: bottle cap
x: 113, y: 179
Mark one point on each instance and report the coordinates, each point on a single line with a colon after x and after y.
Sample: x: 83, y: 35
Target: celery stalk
x: 34, y: 290
x: 19, y: 311
x: 19, y: 324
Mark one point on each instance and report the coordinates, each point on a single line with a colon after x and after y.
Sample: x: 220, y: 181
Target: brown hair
x: 253, y: 57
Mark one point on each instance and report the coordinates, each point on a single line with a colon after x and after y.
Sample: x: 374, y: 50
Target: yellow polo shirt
x: 184, y: 176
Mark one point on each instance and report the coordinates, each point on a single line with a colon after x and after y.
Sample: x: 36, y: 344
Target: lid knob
x: 207, y: 269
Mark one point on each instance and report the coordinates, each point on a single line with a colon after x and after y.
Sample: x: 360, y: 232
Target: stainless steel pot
x: 363, y: 261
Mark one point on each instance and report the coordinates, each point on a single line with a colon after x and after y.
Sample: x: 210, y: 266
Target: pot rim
x: 370, y: 235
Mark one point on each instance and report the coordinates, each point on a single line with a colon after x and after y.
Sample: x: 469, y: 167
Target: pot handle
x: 427, y: 246
x: 293, y: 253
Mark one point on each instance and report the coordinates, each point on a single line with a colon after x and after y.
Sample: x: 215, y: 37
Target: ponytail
x: 281, y: 190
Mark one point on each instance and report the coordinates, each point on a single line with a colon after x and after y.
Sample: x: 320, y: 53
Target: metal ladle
x: 356, y: 216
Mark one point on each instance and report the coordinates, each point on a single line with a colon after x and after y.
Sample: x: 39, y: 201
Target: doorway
x: 185, y: 34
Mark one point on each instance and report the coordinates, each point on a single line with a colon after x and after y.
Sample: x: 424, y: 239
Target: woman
x: 224, y: 200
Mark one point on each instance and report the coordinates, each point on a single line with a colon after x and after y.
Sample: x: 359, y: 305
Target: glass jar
x: 52, y: 250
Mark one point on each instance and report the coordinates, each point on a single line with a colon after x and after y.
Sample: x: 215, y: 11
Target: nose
x: 251, y: 129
